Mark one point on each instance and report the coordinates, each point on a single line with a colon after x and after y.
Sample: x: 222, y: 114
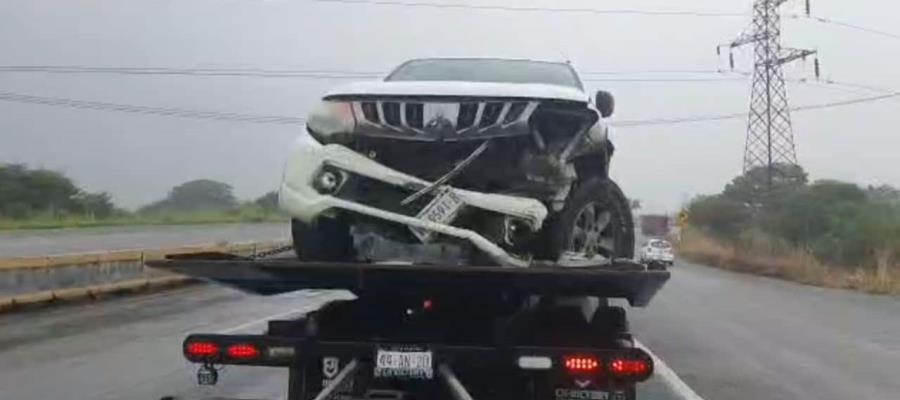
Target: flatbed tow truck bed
x: 431, y: 332
x: 621, y: 279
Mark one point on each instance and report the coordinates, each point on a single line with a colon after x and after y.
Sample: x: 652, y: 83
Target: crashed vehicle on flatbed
x: 484, y: 161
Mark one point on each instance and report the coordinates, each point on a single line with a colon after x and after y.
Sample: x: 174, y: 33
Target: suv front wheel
x: 328, y: 239
x: 596, y: 220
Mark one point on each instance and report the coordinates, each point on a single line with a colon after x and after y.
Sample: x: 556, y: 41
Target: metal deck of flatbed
x: 626, y: 279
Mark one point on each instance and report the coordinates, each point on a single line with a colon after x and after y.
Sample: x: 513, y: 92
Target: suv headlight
x: 330, y: 118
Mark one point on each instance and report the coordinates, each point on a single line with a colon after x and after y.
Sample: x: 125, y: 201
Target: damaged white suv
x: 482, y: 161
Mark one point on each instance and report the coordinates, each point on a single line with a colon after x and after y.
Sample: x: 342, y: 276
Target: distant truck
x: 655, y: 225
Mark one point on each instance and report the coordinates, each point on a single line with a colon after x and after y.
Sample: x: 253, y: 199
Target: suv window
x: 487, y: 70
x: 660, y: 244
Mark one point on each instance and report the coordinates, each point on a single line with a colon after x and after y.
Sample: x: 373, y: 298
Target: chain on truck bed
x: 271, y: 252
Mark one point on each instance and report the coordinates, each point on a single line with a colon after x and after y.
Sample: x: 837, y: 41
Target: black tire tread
x: 558, y: 227
x: 328, y: 239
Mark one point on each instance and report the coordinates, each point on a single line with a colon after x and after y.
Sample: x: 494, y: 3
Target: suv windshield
x: 486, y: 70
x: 659, y: 244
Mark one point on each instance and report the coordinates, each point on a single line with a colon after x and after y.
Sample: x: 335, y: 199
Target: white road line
x: 301, y: 310
x: 669, y: 376
x: 261, y: 320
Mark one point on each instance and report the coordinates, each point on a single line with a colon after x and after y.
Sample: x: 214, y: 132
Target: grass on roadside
x: 787, y: 263
x: 241, y: 215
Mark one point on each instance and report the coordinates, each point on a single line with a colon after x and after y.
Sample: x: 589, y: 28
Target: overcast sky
x: 137, y: 158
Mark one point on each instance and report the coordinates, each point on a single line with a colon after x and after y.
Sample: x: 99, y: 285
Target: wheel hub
x: 592, y: 232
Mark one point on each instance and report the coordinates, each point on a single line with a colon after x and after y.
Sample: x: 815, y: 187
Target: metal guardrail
x: 100, y: 257
x: 112, y: 260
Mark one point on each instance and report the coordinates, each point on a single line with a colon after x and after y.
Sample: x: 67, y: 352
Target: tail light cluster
x: 200, y: 351
x: 632, y: 365
x: 232, y: 350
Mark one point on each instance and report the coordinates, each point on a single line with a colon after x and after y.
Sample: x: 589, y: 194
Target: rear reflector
x: 629, y: 368
x: 202, y: 350
x: 535, y: 362
x: 243, y: 351
x: 581, y: 363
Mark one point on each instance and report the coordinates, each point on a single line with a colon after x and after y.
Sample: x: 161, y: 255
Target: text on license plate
x: 441, y: 210
x: 403, y: 364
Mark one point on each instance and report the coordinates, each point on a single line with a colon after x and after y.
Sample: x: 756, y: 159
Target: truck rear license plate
x: 441, y: 210
x: 403, y: 364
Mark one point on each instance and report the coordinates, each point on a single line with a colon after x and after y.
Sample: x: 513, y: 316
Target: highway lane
x: 129, y: 348
x: 729, y: 336
x: 735, y: 336
x: 55, y: 241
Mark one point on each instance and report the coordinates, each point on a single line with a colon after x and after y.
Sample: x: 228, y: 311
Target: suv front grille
x: 465, y: 116
x: 414, y: 117
x: 467, y: 113
x: 490, y: 114
x: 391, y: 113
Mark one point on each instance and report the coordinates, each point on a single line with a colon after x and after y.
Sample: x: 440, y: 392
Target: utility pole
x: 770, y: 139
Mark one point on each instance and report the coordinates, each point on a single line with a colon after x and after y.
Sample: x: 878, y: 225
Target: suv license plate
x: 441, y: 210
x: 403, y: 364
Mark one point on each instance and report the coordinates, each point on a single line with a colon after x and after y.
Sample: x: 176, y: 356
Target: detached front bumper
x: 302, y: 200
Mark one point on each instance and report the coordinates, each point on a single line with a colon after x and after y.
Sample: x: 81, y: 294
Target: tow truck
x: 467, y: 204
x: 436, y: 332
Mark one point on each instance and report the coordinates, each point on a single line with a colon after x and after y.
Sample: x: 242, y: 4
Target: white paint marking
x: 669, y: 376
x: 301, y: 310
x: 261, y: 320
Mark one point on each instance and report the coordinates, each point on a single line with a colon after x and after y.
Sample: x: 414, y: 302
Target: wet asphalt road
x: 735, y: 336
x: 130, y: 347
x: 729, y: 336
x: 56, y: 241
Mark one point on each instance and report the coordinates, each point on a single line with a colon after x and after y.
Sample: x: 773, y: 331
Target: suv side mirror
x: 606, y: 104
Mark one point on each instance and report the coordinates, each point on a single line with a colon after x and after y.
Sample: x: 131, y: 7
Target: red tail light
x: 581, y: 363
x: 202, y: 350
x: 630, y: 368
x: 243, y: 351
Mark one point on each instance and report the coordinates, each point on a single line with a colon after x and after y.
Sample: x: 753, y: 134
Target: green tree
x: 268, y: 201
x: 754, y: 189
x: 24, y: 191
x: 719, y: 215
x: 196, y: 195
x: 883, y: 194
x: 810, y: 213
x: 96, y: 205
x: 871, y: 232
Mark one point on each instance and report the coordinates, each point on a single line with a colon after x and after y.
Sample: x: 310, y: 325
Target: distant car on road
x: 657, y: 251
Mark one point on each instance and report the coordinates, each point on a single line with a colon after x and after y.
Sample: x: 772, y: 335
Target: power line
x: 653, y: 71
x: 846, y: 102
x: 663, y: 79
x: 680, y: 120
x: 674, y: 13
x: 289, y: 120
x: 319, y: 74
x: 829, y: 83
x: 262, y: 73
x: 861, y: 28
x: 719, y: 117
x: 149, y: 110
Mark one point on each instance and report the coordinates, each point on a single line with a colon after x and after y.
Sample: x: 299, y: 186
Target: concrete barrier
x: 30, y: 280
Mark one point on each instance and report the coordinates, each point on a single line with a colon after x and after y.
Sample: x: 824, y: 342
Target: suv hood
x: 460, y: 89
